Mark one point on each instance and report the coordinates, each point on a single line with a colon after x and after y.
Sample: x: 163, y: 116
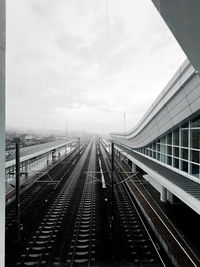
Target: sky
x: 85, y: 63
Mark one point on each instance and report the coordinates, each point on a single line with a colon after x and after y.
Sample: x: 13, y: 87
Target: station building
x: 166, y: 142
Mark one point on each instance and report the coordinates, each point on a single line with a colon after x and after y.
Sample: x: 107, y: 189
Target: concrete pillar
x: 2, y: 132
x: 170, y: 197
x: 163, y: 194
x: 133, y: 167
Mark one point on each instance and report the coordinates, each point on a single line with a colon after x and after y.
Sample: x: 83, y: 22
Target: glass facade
x: 180, y: 148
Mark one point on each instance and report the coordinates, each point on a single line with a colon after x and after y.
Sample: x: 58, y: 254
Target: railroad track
x: 76, y: 227
x: 40, y: 189
x: 83, y: 245
x: 40, y: 245
x: 177, y: 248
x: 141, y: 248
x: 40, y: 203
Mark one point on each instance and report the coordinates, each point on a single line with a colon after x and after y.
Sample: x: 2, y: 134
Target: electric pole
x: 17, y: 187
x: 112, y: 180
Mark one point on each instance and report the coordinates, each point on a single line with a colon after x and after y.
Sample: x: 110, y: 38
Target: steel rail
x: 174, y: 237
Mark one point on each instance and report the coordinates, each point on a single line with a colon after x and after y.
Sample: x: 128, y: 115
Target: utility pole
x: 112, y: 180
x: 17, y: 188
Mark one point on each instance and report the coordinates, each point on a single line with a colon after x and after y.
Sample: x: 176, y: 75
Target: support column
x: 2, y: 132
x: 133, y: 167
x: 163, y: 194
x: 170, y: 197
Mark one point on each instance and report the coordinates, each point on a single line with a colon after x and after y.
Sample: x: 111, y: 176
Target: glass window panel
x: 154, y: 154
x: 185, y: 125
x: 163, y: 140
x: 162, y: 148
x: 169, y: 160
x: 169, y: 139
x: 150, y: 153
x: 169, y: 150
x: 176, y: 163
x: 176, y: 137
x: 184, y: 166
x: 158, y: 141
x: 184, y: 138
x: 195, y: 170
x: 176, y: 151
x: 158, y: 156
x: 195, y: 138
x: 194, y: 156
x: 158, y: 147
x: 150, y: 146
x: 195, y: 122
x: 154, y: 146
x: 184, y: 153
x: 162, y: 157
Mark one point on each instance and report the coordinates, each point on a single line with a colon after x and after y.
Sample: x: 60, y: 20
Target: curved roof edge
x: 173, y: 105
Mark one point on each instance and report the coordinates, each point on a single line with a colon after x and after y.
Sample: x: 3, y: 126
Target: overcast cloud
x: 75, y: 60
